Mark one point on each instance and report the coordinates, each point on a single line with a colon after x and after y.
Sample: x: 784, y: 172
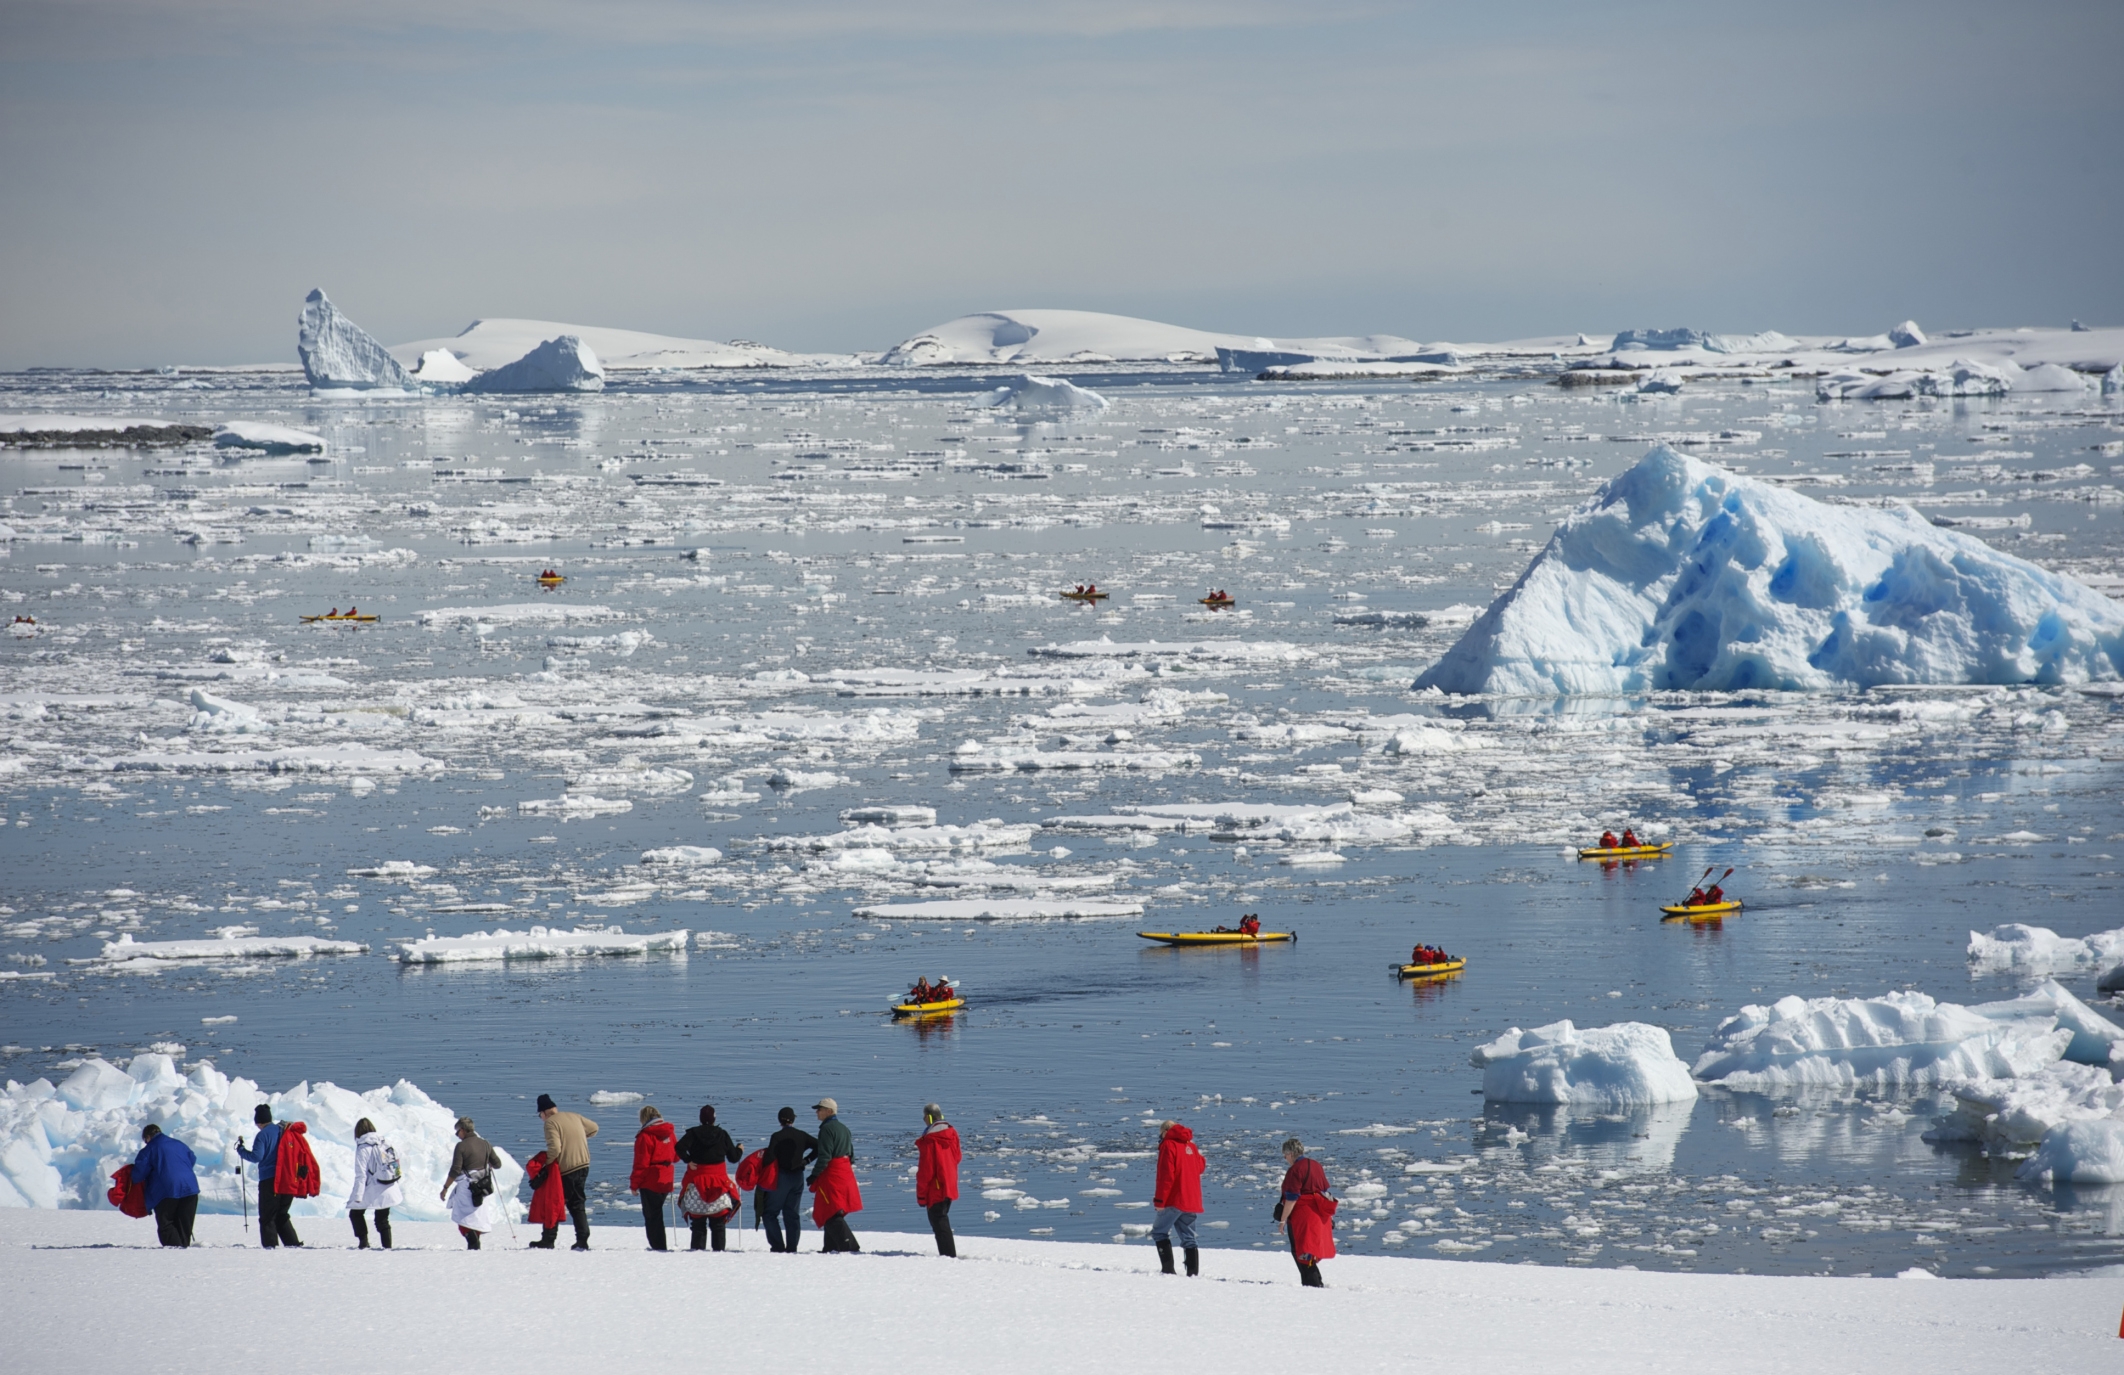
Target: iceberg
x: 1907, y: 335
x: 2018, y: 946
x: 59, y: 1146
x: 1605, y: 1069
x: 1046, y: 398
x: 2088, y: 1151
x: 564, y: 363
x: 1679, y: 575
x: 2009, y: 1116
x: 337, y: 353
x: 442, y: 366
x: 1896, y: 1039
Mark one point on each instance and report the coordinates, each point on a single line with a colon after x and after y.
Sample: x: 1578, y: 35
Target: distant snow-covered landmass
x: 488, y: 344
x: 1682, y: 575
x: 1093, y: 337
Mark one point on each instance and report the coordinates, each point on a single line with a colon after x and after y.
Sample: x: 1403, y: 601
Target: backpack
x: 296, y: 1174
x: 387, y: 1169
x: 126, y: 1195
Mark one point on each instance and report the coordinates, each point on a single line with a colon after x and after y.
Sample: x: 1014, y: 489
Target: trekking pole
x: 245, y: 1195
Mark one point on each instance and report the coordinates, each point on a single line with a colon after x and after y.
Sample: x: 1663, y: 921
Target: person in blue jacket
x: 169, y: 1188
x: 274, y: 1228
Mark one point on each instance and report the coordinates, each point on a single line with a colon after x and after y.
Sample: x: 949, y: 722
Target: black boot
x: 361, y: 1231
x: 546, y: 1240
x: 471, y: 1241
x: 1309, y: 1276
x: 1193, y: 1257
x: 1165, y: 1256
x: 383, y: 1228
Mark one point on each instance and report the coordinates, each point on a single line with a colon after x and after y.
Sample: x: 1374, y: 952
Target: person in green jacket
x: 833, y: 1183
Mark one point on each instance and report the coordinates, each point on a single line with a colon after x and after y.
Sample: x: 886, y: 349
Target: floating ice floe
x: 2088, y: 1151
x: 337, y: 353
x: 213, y: 715
x: 633, y: 778
x: 1454, y: 615
x: 2009, y: 1116
x: 1222, y: 651
x: 687, y: 856
x: 973, y: 757
x: 992, y: 834
x: 402, y: 870
x: 1000, y: 909
x: 296, y: 759
x: 575, y: 804
x: 797, y: 780
x: 2017, y: 946
x: 270, y: 439
x: 59, y: 1146
x: 2095, y: 1038
x: 1326, y: 822
x: 894, y: 814
x: 562, y: 364
x: 1681, y: 575
x: 227, y: 948
x: 1894, y: 1040
x: 1607, y: 1069
x: 519, y: 613
x: 538, y: 943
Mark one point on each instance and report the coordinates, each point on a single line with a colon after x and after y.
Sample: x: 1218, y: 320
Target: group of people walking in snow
x: 162, y: 1180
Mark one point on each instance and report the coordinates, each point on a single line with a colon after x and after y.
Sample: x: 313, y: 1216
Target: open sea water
x: 802, y: 596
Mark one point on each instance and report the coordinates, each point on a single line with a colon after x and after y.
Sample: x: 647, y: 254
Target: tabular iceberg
x: 562, y: 364
x: 1681, y: 575
x: 1604, y: 1068
x: 336, y: 352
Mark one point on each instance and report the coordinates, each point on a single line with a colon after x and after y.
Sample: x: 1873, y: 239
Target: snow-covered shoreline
x: 1022, y: 1306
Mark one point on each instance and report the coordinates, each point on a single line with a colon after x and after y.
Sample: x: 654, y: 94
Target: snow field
x: 1006, y: 1305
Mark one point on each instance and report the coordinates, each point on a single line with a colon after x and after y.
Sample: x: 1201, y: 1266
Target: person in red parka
x: 1178, y: 1197
x: 549, y: 1205
x: 655, y: 1151
x: 1307, y: 1213
x: 937, y: 1174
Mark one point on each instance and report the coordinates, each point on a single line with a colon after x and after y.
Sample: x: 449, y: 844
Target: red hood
x: 299, y: 1128
x: 660, y: 1128
x: 1176, y: 1132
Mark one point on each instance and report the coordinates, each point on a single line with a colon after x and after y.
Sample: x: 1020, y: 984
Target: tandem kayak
x: 363, y: 619
x: 1215, y: 937
x: 1084, y: 596
x: 927, y: 1009
x: 1627, y: 851
x: 1216, y: 601
x: 1703, y: 911
x: 555, y: 581
x: 1431, y: 971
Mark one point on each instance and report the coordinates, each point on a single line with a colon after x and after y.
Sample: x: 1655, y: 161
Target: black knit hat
x: 786, y: 1116
x: 707, y: 1116
x: 545, y: 1102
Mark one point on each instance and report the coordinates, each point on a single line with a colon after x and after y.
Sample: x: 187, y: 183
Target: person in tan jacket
x: 568, y: 1147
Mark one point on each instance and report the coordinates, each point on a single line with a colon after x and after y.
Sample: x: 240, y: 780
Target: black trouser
x: 838, y: 1235
x: 361, y: 1226
x: 274, y: 1227
x: 1308, y: 1271
x: 653, y: 1218
x: 940, y: 1223
x: 704, y: 1226
x: 173, y: 1220
x: 572, y: 1185
x: 783, y: 1201
x: 471, y: 1238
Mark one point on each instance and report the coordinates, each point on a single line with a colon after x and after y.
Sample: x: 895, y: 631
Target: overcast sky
x: 828, y: 174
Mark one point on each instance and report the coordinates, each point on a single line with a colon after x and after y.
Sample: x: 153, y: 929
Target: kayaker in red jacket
x: 655, y: 1150
x: 1177, y: 1195
x: 937, y: 1174
x: 1307, y: 1213
x: 1629, y: 838
x: 1607, y: 840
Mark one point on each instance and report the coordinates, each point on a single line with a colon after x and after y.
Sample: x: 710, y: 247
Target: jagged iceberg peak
x: 562, y: 364
x: 1682, y: 575
x: 338, y: 353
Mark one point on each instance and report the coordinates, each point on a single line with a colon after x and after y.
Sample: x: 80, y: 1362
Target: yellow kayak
x: 1217, y: 601
x: 363, y: 619
x: 1215, y: 937
x: 1431, y: 971
x: 1084, y: 596
x: 1705, y: 911
x: 554, y: 581
x: 1658, y: 851
x: 927, y: 1009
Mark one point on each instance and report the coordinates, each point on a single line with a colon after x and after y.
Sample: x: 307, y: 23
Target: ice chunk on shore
x: 558, y: 365
x: 261, y: 437
x: 337, y: 353
x: 230, y: 948
x: 1681, y: 575
x: 1606, y: 1069
x: 1001, y: 909
x: 2018, y: 946
x: 538, y: 943
x: 1896, y: 1039
x: 59, y: 1147
x: 1046, y: 398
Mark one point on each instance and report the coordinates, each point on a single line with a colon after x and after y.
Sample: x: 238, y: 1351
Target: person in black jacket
x: 790, y: 1149
x: 708, y: 1144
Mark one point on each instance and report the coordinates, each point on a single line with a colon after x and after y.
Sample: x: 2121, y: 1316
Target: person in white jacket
x: 376, y: 1184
